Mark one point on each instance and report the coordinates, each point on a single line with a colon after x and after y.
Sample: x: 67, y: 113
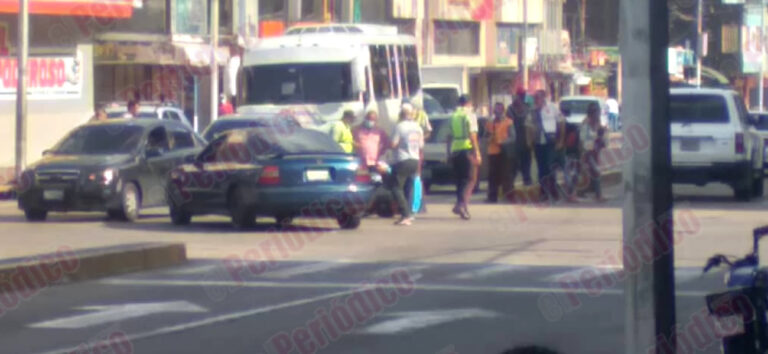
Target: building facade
x: 116, y: 50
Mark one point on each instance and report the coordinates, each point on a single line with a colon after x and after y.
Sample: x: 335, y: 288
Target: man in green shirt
x: 464, y: 151
x: 342, y: 132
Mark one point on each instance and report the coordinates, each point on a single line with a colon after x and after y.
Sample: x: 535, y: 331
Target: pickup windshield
x: 448, y: 97
x: 697, y: 108
x: 299, y: 83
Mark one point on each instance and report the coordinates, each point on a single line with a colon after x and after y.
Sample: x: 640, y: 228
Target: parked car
x: 447, y: 94
x: 154, y: 110
x: 280, y: 123
x: 437, y: 169
x: 118, y: 166
x: 577, y: 108
x: 760, y: 121
x: 254, y: 172
x: 713, y: 141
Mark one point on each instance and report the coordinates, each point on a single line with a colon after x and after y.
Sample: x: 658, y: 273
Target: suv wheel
x: 130, y: 203
x: 33, y: 214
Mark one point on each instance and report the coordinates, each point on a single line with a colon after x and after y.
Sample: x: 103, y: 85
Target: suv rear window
x: 698, y: 109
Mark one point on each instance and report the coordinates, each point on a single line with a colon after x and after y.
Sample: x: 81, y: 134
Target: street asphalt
x: 443, y: 286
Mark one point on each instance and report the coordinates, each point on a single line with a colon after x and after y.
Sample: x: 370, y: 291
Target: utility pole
x: 700, y: 47
x: 214, y: 62
x: 525, y: 44
x: 649, y: 290
x: 22, y: 51
x: 762, y: 55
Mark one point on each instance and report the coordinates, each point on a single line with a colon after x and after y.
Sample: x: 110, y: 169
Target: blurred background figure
x: 592, y: 137
x: 613, y: 113
x: 225, y: 107
x: 518, y: 112
x: 342, y: 132
x: 99, y: 114
x: 500, y: 133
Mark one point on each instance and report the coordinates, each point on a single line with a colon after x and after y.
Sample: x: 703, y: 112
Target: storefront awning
x: 90, y: 8
x: 200, y: 54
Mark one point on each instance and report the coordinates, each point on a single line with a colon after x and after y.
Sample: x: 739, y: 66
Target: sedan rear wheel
x: 178, y: 215
x: 348, y: 221
x: 34, y: 214
x: 243, y: 216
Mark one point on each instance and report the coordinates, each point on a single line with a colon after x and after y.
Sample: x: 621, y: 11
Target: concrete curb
x: 67, y: 265
x: 7, y: 192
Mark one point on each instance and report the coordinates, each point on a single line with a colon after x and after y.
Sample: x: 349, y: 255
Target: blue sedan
x: 274, y: 173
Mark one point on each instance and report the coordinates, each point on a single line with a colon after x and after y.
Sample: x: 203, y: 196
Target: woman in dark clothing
x: 518, y: 112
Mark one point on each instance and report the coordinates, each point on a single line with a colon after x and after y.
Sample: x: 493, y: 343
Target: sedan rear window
x: 698, y: 109
x: 576, y: 106
x: 222, y: 126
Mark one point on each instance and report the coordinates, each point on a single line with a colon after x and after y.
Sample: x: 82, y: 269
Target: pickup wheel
x: 743, y: 190
x: 758, y: 184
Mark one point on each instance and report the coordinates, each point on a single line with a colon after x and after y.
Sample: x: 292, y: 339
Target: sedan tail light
x: 740, y: 143
x: 270, y: 175
x: 362, y: 175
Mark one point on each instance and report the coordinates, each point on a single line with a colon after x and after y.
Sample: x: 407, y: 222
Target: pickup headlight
x: 104, y: 177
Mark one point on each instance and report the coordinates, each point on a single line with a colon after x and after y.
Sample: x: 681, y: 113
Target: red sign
x: 48, y: 77
x: 90, y: 8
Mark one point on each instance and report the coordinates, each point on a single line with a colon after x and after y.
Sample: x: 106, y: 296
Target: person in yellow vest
x: 342, y: 132
x: 501, y: 136
x: 464, y: 151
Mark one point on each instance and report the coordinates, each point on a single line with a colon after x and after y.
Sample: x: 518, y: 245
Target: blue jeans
x: 613, y: 120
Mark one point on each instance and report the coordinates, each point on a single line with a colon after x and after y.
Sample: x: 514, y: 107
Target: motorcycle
x: 382, y: 203
x: 745, y: 299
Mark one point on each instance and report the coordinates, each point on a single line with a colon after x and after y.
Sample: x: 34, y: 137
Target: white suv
x: 713, y: 141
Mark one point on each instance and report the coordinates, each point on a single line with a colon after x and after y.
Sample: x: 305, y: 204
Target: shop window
x: 382, y: 84
x: 150, y: 18
x: 457, y: 38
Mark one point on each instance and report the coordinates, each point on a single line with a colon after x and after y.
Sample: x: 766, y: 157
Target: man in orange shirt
x: 501, y: 136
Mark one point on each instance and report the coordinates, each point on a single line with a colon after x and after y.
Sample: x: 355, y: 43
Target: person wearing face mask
x: 371, y: 142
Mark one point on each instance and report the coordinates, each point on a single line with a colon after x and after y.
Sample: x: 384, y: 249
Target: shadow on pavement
x: 216, y: 227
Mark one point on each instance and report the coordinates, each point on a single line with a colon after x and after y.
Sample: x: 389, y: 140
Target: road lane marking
x: 489, y: 270
x: 426, y: 287
x: 411, y: 268
x: 413, y: 320
x: 305, y: 269
x: 193, y: 270
x: 116, y: 313
x: 577, y: 273
x: 218, y: 319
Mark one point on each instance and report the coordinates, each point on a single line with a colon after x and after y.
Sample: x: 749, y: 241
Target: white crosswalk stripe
x: 305, y: 269
x: 488, y: 271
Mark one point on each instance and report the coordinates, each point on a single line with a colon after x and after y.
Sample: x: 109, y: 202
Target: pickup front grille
x: 57, y: 176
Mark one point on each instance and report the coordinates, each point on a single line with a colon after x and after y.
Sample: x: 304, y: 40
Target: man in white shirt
x: 613, y: 113
x: 548, y: 126
x: 407, y: 142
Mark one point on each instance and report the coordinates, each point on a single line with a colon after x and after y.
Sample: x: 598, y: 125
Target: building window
x: 508, y: 36
x: 150, y: 18
x: 730, y: 39
x: 457, y: 38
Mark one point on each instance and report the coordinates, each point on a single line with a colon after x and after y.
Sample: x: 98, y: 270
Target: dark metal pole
x: 21, y: 88
x: 650, y: 286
